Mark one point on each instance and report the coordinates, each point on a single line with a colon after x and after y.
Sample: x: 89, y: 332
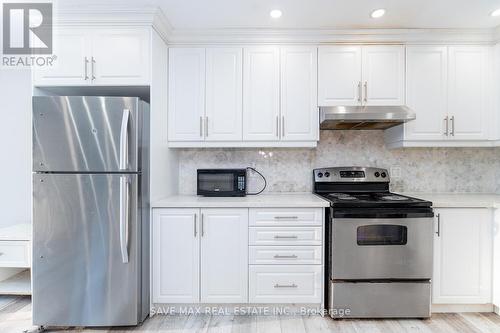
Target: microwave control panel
x: 241, y: 183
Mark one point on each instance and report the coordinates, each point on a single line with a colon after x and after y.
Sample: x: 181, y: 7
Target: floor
x: 15, y: 316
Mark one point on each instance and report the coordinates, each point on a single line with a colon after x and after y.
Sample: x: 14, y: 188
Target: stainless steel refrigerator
x: 90, y: 211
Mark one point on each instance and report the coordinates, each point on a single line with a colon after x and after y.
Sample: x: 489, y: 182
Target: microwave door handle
x: 124, y: 140
x: 124, y: 216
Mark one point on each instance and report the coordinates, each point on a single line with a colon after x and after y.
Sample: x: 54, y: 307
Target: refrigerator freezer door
x: 81, y: 229
x: 86, y: 134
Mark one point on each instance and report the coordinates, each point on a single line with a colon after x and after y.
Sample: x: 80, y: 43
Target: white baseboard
x: 441, y: 308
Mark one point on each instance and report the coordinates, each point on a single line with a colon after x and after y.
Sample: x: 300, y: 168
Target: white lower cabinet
x: 212, y: 256
x: 224, y: 255
x: 176, y: 255
x: 285, y: 284
x: 200, y: 255
x: 462, y: 256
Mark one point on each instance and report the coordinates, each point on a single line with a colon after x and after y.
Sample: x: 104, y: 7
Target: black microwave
x: 222, y: 182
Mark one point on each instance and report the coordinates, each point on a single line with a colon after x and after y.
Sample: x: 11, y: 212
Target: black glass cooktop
x: 373, y: 200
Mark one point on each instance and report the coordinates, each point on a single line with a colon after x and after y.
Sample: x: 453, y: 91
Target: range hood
x: 363, y: 117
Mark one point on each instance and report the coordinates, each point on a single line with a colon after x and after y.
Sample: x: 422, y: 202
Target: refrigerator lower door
x: 86, y: 250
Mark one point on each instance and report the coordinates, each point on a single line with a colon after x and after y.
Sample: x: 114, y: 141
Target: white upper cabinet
x: 448, y: 88
x: 98, y: 56
x: 224, y: 255
x: 121, y: 55
x: 339, y: 75
x: 468, y: 95
x: 73, y: 63
x: 224, y: 101
x: 383, y: 73
x: 186, y: 94
x: 462, y: 256
x: 361, y: 75
x: 299, y: 110
x: 176, y: 255
x: 261, y: 93
x: 426, y: 91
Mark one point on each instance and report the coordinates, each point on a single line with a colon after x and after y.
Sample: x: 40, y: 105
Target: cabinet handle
x: 293, y: 256
x: 93, y: 69
x: 201, y: 126
x: 447, y: 126
x: 293, y: 285
x: 360, y: 92
x: 438, y: 232
x: 366, y: 91
x: 452, y: 125
x: 86, y: 68
x: 286, y: 217
x: 283, y: 126
x: 1, y: 253
x: 206, y: 126
x: 202, y: 225
x: 195, y: 231
x: 286, y: 237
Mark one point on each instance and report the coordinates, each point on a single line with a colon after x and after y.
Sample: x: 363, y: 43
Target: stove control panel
x: 351, y: 174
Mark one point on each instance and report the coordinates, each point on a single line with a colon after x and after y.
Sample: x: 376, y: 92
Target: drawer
x: 14, y: 254
x: 285, y: 235
x: 285, y: 284
x: 285, y: 216
x: 285, y: 255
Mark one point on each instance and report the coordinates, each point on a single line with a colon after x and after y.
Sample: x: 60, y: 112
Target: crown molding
x: 329, y: 36
x: 115, y: 17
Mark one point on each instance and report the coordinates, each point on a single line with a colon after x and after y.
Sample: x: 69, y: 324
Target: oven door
x: 382, y: 248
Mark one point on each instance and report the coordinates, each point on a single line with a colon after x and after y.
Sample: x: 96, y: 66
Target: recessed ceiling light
x: 275, y: 13
x: 496, y: 12
x: 378, y: 13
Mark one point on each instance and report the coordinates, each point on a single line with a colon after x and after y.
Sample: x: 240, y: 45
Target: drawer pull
x: 286, y: 217
x: 285, y: 285
x: 1, y: 253
x: 293, y: 256
x: 285, y: 237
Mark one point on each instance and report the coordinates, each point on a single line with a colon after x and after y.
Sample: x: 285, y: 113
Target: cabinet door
x: 299, y: 109
x: 176, y: 255
x: 121, y: 57
x: 468, y: 98
x: 186, y: 94
x: 224, y: 102
x: 339, y: 75
x: 383, y: 75
x: 72, y: 63
x: 462, y: 256
x: 261, y: 91
x: 426, y: 84
x: 224, y: 256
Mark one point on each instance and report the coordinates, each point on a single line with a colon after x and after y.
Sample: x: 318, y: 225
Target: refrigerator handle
x: 124, y: 140
x: 124, y: 199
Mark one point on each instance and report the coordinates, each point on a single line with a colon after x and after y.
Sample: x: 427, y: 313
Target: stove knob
x: 383, y: 174
x: 320, y: 175
x: 377, y: 174
x: 327, y: 174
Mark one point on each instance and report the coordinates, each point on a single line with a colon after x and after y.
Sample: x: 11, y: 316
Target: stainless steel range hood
x: 363, y: 117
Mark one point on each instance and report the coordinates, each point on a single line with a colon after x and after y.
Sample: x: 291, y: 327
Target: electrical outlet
x: 396, y: 172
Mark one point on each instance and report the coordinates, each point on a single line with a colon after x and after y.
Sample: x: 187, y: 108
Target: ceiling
x: 314, y: 14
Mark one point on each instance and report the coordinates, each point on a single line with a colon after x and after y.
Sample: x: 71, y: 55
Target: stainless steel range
x: 380, y: 246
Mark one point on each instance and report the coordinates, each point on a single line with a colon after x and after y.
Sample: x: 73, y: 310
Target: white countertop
x: 465, y: 200
x: 439, y: 200
x: 284, y: 200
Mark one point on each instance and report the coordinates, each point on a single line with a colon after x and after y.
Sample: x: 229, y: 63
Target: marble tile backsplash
x: 290, y: 169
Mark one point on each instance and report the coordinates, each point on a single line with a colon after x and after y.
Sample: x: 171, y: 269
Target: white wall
x: 164, y: 161
x: 15, y: 146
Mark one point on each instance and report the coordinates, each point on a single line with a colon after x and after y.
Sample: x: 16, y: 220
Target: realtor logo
x: 27, y: 28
